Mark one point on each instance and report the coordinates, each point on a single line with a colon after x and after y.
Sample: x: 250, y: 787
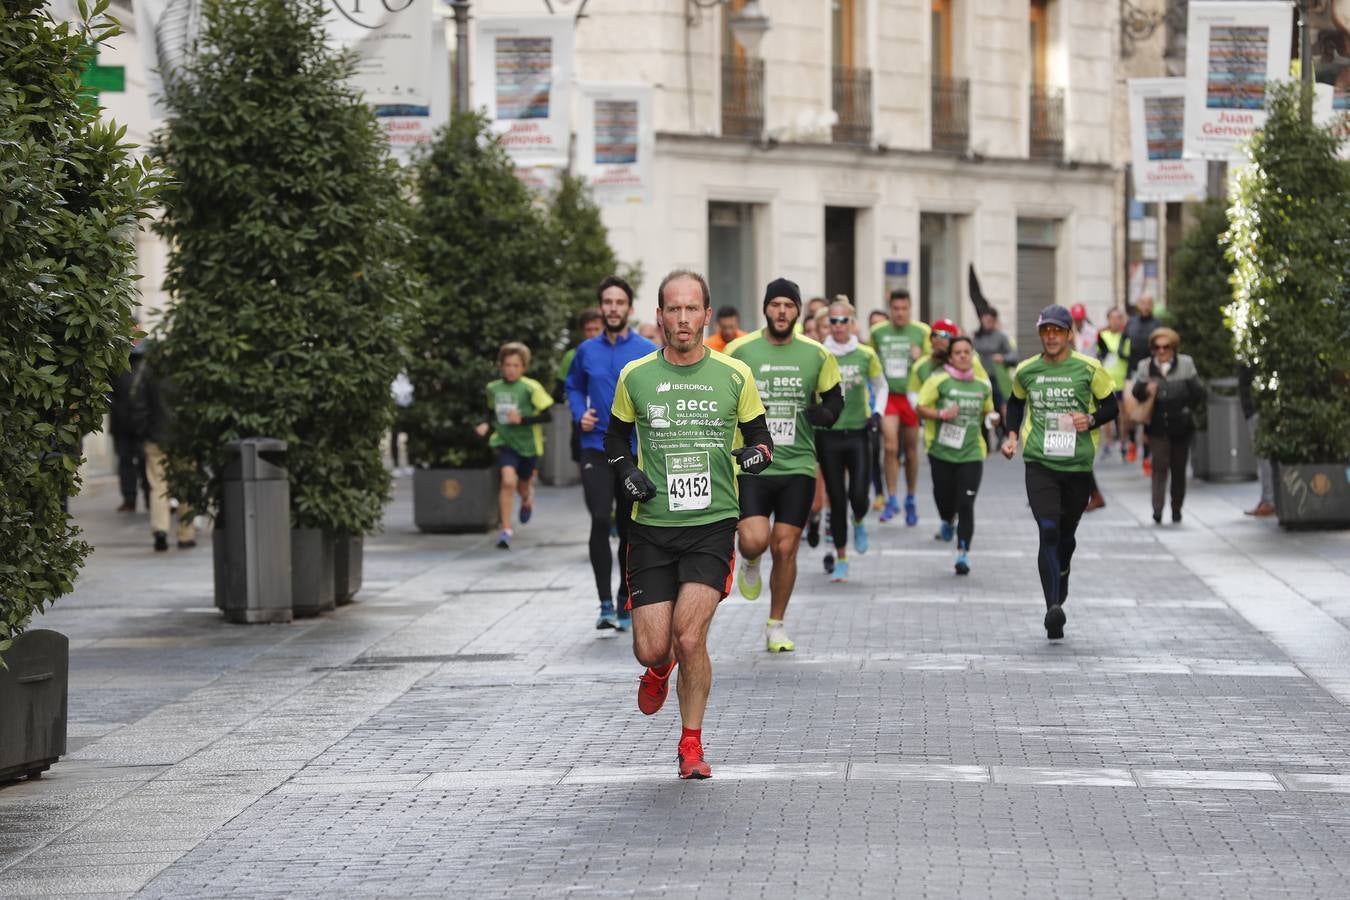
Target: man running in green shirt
x: 687, y: 403
x: 1060, y: 398
x: 900, y: 342
x: 798, y: 380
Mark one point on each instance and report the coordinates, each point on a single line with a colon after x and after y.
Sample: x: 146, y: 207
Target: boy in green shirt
x: 517, y: 409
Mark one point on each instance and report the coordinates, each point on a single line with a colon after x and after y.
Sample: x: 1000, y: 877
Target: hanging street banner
x: 615, y: 142
x: 1232, y: 50
x: 522, y: 78
x: 396, y: 42
x: 1157, y: 131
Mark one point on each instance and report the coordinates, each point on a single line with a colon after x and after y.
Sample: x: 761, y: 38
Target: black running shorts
x: 787, y: 498
x: 661, y: 558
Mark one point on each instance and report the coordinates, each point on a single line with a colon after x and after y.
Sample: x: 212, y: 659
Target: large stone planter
x: 311, y: 572
x: 33, y: 690
x: 1313, y: 496
x: 348, y: 567
x: 455, y: 500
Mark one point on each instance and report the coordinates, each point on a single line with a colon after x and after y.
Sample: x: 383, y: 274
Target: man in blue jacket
x: 591, y: 380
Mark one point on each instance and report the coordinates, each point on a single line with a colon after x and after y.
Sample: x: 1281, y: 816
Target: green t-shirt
x: 527, y: 397
x: 789, y: 377
x: 924, y: 369
x: 1052, y: 392
x: 961, y: 439
x: 565, y: 365
x: 894, y: 346
x: 856, y: 368
x: 687, y: 421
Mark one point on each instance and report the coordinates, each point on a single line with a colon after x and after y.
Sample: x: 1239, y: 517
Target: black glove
x: 636, y: 485
x: 819, y: 416
x: 874, y: 422
x: 753, y: 460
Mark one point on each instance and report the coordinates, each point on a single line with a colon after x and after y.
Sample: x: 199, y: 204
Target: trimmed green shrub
x: 1291, y: 302
x: 71, y: 198
x: 488, y: 256
x: 288, y: 228
x: 1199, y: 287
x: 585, y: 257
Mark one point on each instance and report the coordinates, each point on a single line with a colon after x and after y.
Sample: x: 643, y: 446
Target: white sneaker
x: 775, y: 634
x: 748, y: 580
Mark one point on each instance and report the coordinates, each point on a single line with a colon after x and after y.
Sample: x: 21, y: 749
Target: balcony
x: 1047, y: 123
x: 951, y: 115
x: 742, y: 97
x: 852, y: 105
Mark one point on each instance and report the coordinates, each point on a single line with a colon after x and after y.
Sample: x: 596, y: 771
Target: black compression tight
x: 597, y: 483
x: 954, y: 488
x: 843, y: 452
x: 1057, y: 500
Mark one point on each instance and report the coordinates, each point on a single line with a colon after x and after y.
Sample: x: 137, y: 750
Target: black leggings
x: 1058, y: 500
x: 597, y: 483
x: 954, y: 488
x: 841, y: 451
x: 874, y: 456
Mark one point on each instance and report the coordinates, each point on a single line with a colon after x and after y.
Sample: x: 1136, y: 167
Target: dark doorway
x: 840, y: 259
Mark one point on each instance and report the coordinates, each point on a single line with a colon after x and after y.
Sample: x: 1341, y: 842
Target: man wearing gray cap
x: 1060, y: 398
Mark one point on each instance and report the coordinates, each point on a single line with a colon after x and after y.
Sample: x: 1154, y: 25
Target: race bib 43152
x: 688, y: 481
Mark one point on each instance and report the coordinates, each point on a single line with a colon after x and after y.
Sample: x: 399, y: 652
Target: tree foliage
x: 289, y: 236
x: 1199, y: 288
x: 71, y: 198
x: 488, y: 255
x: 1290, y: 247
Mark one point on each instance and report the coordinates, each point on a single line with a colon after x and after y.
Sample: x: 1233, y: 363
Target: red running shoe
x: 690, y: 756
x: 652, y: 689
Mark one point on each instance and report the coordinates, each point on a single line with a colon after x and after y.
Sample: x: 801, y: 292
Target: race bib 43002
x: 688, y: 481
x: 1061, y: 438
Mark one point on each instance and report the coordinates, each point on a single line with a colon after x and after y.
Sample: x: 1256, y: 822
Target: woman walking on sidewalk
x: 1169, y: 381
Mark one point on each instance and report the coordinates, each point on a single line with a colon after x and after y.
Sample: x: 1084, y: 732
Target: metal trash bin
x: 557, y: 467
x: 252, y: 540
x: 1229, y: 445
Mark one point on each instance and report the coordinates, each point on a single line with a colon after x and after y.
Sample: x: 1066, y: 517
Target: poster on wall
x: 1157, y: 133
x: 615, y: 142
x: 393, y: 46
x: 396, y: 44
x: 522, y: 78
x: 1232, y: 50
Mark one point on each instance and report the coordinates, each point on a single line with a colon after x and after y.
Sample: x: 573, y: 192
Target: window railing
x: 951, y: 114
x: 1047, y: 123
x: 852, y: 105
x: 742, y: 97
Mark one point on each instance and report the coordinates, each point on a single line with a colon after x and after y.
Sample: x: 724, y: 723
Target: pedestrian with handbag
x: 1166, y: 392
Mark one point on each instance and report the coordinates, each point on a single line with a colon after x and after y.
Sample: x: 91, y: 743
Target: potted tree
x: 488, y: 257
x: 71, y: 199
x: 1291, y: 308
x: 1199, y: 287
x: 288, y: 228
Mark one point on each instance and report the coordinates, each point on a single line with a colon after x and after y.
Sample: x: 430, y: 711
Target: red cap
x: 1078, y: 311
x: 946, y: 328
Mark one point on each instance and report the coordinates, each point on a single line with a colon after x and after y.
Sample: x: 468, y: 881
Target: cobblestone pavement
x: 464, y: 730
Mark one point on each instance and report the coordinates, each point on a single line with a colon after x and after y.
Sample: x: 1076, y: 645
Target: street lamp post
x: 1305, y: 71
x: 461, y: 9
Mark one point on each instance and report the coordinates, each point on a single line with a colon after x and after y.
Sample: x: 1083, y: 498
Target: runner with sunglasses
x: 1060, y: 398
x: 843, y: 448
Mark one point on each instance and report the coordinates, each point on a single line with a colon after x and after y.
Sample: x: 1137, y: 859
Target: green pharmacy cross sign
x: 95, y: 79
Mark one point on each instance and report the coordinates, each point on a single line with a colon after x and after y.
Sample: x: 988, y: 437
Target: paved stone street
x: 463, y: 730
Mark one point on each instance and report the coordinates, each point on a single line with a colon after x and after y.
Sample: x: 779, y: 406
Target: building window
x: 1046, y: 109
x: 732, y: 278
x: 742, y: 84
x: 950, y: 95
x: 851, y: 84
